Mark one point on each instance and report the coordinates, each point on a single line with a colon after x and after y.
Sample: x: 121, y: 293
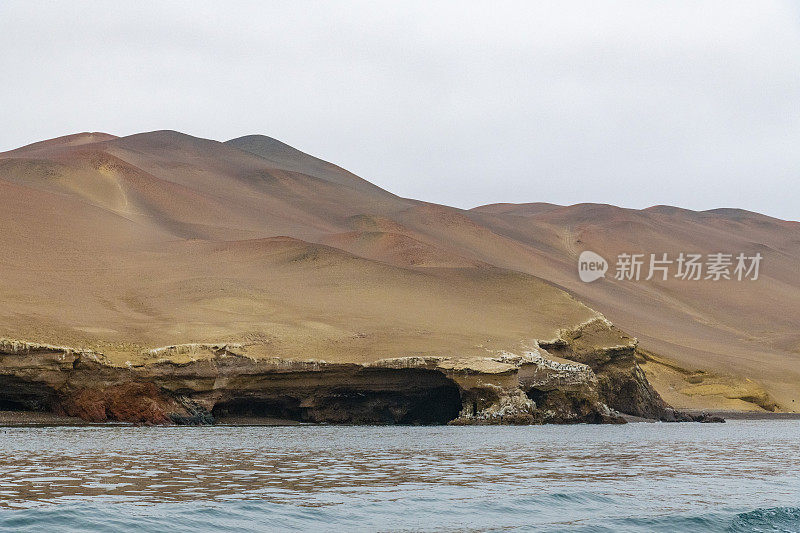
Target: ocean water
x: 739, y: 476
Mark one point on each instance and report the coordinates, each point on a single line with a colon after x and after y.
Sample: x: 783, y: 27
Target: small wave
x: 784, y: 519
x: 519, y: 515
x: 778, y: 519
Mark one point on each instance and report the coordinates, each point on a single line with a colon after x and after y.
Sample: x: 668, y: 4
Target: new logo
x: 591, y: 266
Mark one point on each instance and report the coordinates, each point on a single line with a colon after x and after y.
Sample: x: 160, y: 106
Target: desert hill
x: 742, y: 329
x: 124, y: 244
x: 127, y: 244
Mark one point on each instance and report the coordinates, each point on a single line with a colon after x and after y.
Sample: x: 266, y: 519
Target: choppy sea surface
x: 739, y: 476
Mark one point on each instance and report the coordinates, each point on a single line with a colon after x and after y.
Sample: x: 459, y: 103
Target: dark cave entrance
x: 434, y: 406
x: 279, y: 407
x: 374, y: 396
x: 538, y: 396
x: 17, y: 394
x: 11, y: 405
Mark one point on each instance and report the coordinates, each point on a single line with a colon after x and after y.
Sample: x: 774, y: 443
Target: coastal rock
x: 128, y: 402
x: 611, y: 354
x: 586, y: 375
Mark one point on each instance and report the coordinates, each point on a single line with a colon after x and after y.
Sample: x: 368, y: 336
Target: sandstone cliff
x: 586, y: 374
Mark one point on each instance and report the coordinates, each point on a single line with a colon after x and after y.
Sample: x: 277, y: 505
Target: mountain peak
x: 74, y: 139
x: 267, y: 147
x: 289, y: 158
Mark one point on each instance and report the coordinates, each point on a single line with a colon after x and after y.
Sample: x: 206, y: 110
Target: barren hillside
x: 124, y: 244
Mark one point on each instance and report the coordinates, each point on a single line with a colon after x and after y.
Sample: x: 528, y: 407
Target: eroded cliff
x: 586, y: 374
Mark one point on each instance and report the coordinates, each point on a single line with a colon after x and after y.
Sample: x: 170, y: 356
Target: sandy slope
x: 735, y: 331
x: 156, y: 239
x: 125, y: 244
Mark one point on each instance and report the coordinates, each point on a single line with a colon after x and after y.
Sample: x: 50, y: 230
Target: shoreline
x: 745, y: 415
x: 45, y: 419
x: 38, y: 418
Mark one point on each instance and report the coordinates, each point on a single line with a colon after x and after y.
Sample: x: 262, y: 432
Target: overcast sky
x: 695, y: 104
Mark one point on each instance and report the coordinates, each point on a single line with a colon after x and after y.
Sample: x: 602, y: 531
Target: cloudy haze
x: 695, y: 104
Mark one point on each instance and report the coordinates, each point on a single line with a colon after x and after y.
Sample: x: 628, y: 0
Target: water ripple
x: 638, y: 477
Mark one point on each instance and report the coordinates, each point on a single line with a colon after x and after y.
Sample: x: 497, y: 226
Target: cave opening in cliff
x: 537, y: 395
x: 396, y: 396
x: 413, y: 406
x: 17, y: 394
x: 278, y: 408
x: 438, y: 405
x: 11, y: 405
x: 407, y: 396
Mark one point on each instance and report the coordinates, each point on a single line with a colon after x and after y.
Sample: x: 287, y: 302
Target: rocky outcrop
x: 580, y: 377
x: 621, y: 383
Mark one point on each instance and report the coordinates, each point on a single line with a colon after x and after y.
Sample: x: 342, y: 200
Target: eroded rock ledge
x: 587, y: 374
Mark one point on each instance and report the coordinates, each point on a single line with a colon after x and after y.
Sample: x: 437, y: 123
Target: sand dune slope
x: 735, y: 331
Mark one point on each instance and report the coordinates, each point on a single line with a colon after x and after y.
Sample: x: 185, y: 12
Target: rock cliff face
x: 588, y: 374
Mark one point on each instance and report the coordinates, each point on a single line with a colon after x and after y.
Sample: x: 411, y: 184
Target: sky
x: 694, y: 104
